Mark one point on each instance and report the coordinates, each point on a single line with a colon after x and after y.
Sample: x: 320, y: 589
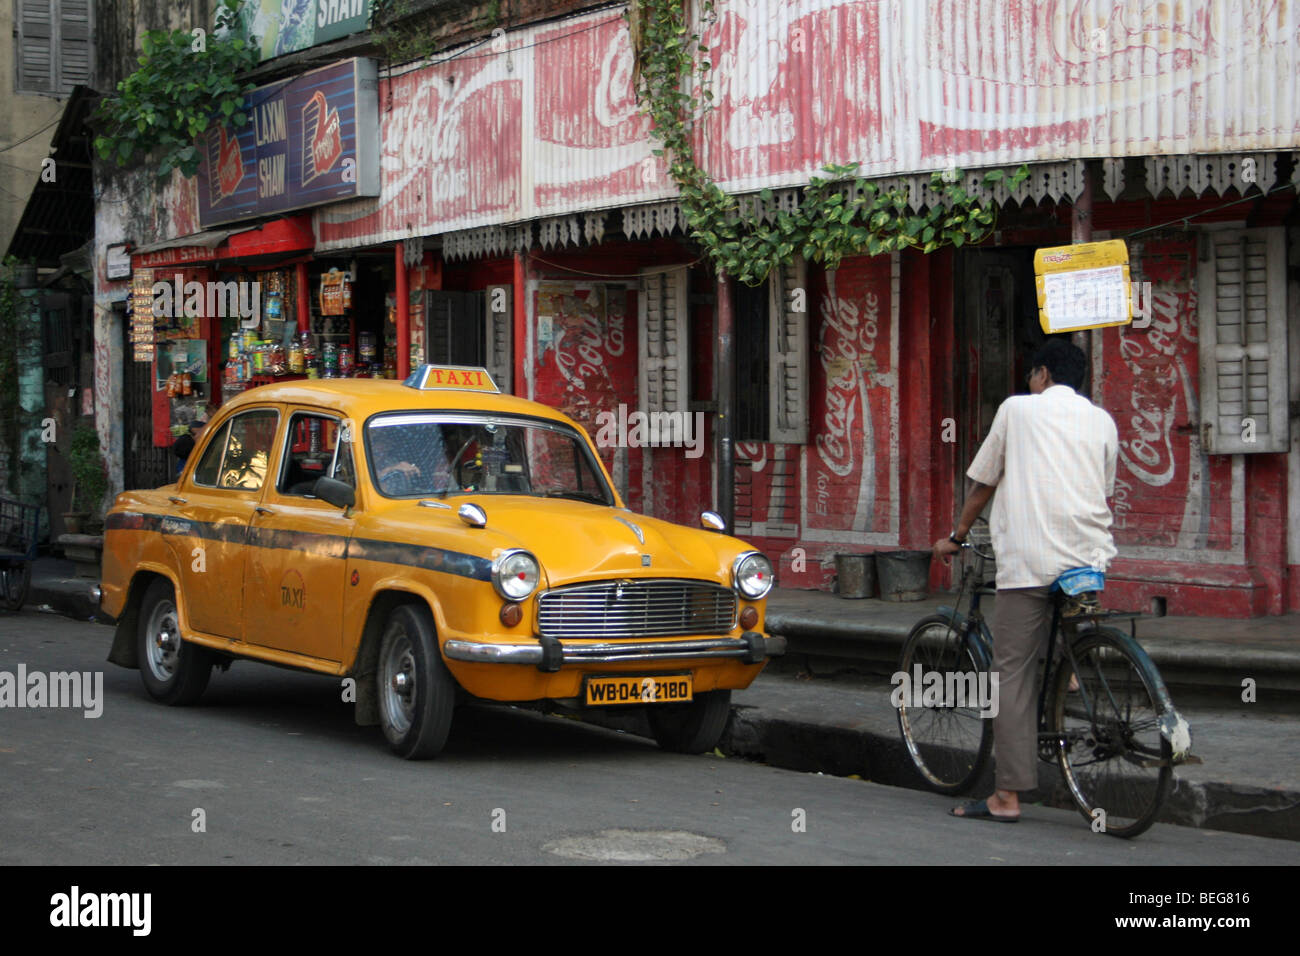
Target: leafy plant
x: 89, y: 476
x: 838, y: 216
x: 185, y: 81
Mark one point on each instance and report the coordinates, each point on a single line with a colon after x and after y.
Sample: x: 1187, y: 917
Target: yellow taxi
x: 429, y: 541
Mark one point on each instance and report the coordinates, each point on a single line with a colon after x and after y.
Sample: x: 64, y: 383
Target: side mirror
x: 338, y: 493
x: 712, y: 521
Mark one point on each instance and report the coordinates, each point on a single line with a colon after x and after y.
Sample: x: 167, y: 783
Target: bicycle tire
x: 15, y: 584
x: 1123, y: 733
x: 949, y: 746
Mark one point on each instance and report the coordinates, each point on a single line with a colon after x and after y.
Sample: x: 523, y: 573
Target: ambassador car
x: 433, y: 541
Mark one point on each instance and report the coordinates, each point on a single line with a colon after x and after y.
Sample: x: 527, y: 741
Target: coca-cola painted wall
x: 1194, y: 529
x: 802, y: 504
x: 543, y: 120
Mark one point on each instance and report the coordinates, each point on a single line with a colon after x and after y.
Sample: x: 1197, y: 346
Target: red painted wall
x: 1188, y: 530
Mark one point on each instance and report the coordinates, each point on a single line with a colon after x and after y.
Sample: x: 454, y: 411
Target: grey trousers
x: 1021, y: 619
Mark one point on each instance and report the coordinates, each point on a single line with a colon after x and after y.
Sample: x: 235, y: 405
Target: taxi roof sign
x: 461, y: 377
x: 1083, y: 286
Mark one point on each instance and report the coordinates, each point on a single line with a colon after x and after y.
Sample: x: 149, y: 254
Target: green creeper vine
x: 186, y: 79
x: 838, y: 216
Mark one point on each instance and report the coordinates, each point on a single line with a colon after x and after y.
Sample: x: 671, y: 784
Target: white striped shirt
x: 1052, y: 458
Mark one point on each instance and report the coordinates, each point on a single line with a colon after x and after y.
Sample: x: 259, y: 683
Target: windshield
x: 421, y: 455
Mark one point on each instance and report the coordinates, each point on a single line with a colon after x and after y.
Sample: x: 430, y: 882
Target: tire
x: 693, y: 728
x: 949, y: 745
x: 174, y: 671
x: 15, y: 583
x: 416, y: 692
x: 1116, y: 760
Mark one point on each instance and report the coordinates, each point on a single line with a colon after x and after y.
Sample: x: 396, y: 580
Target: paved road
x: 282, y: 775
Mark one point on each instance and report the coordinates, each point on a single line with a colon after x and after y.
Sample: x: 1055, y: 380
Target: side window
x: 210, y: 464
x: 248, y: 450
x: 313, y: 450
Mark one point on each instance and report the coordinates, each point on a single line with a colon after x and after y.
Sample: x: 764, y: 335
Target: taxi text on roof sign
x: 462, y: 377
x: 1083, y: 286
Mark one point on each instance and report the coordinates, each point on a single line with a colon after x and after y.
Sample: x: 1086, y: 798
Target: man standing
x: 1050, y: 456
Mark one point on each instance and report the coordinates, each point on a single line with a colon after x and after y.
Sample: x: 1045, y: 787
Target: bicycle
x: 1112, y: 730
x: 20, y: 526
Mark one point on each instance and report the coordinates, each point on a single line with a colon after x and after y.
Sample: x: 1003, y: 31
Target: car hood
x: 573, y: 540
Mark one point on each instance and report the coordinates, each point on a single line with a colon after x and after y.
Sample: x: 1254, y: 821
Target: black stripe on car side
x: 325, y: 545
x: 420, y: 556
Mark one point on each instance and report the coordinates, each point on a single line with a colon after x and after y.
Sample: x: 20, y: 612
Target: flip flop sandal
x: 979, y: 810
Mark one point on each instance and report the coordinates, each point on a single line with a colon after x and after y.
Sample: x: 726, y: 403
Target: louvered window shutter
x: 788, y: 364
x: 1241, y: 300
x: 662, y: 342
x: 499, y: 326
x: 36, y: 46
x: 74, y: 43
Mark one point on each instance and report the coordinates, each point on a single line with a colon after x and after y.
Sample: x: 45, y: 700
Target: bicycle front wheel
x: 948, y: 740
x: 1115, y: 762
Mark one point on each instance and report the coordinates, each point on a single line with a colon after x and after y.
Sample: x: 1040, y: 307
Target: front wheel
x: 947, y: 738
x: 416, y: 692
x: 174, y: 671
x: 1115, y: 762
x: 693, y: 728
x: 15, y: 582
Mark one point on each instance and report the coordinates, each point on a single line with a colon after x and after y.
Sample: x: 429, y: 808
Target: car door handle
x: 176, y: 499
x: 263, y: 511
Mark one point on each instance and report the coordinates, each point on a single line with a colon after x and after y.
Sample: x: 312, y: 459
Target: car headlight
x: 515, y: 574
x: 751, y: 575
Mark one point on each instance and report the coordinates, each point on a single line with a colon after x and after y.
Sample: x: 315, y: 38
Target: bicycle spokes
x: 1107, y: 736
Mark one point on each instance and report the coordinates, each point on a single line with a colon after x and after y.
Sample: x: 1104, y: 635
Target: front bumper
x: 549, y: 654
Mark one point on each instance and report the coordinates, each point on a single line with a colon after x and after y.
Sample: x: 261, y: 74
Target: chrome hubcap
x: 164, y: 642
x: 397, y: 678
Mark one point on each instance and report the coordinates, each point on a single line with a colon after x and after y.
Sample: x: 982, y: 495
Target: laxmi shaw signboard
x: 310, y: 140
x: 1083, y: 286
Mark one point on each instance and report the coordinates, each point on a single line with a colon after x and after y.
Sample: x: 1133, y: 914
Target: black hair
x: 1064, y: 361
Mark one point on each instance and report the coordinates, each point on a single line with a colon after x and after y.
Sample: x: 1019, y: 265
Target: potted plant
x: 89, y: 478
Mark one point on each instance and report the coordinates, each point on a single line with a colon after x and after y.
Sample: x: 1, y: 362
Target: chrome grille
x: 612, y: 610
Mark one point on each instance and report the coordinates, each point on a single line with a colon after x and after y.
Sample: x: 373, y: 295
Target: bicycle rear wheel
x: 949, y: 745
x: 1114, y: 761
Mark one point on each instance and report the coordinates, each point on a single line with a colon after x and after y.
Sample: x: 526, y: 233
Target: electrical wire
x: 462, y: 55
x: 54, y: 122
x: 616, y: 275
x: 1184, y: 220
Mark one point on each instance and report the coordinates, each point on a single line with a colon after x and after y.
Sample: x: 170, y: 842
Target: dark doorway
x: 456, y: 328
x: 751, y: 343
x: 997, y: 331
x: 144, y: 465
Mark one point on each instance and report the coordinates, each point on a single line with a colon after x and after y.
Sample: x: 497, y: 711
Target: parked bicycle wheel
x: 1115, y: 763
x: 948, y: 744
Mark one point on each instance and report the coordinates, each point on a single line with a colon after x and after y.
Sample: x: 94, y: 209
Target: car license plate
x: 668, y: 689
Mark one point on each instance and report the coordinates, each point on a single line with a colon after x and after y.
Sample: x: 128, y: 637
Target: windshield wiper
x: 580, y: 495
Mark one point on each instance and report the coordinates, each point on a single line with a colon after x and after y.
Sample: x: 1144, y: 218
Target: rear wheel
x: 416, y: 692
x: 693, y: 728
x: 15, y: 582
x: 1115, y: 761
x: 949, y: 745
x: 174, y: 671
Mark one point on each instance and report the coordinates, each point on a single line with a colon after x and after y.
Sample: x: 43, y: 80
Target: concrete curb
x: 842, y: 750
x: 1181, y: 661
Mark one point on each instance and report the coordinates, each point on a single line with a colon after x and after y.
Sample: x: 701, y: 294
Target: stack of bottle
x: 251, y: 358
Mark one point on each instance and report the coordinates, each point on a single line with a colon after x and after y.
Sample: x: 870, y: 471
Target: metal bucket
x: 856, y: 575
x: 903, y: 575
